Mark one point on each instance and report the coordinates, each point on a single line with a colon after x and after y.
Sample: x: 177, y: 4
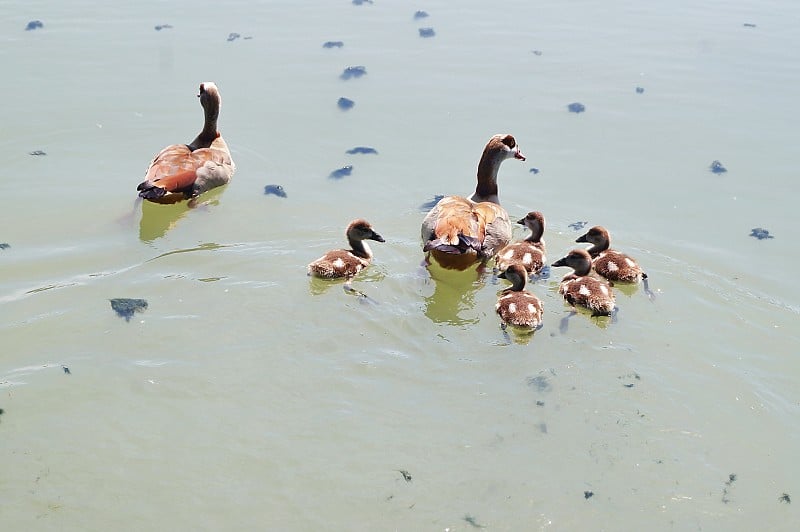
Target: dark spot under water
x: 576, y: 107
x: 783, y: 498
x: 537, y: 52
x: 163, y: 27
x: 233, y: 36
x: 577, y: 226
x: 427, y: 32
x: 362, y: 149
x: 361, y: 2
x: 472, y: 521
x: 34, y: 24
x: 66, y: 370
x: 125, y: 307
x: 339, y: 173
x: 353, y: 72
x: 749, y: 25
x: 345, y: 104
x: 37, y: 153
x: 420, y: 14
x: 275, y: 190
x: 539, y: 403
x: 717, y: 168
x: 588, y: 494
x: 760, y: 233
x: 534, y: 171
x: 540, y: 382
x: 4, y: 245
x: 406, y: 475
x: 332, y: 44
x: 428, y: 205
x: 639, y: 90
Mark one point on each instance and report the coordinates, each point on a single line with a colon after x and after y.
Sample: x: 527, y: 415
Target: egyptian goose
x: 528, y: 252
x: 183, y: 171
x: 460, y: 231
x: 580, y: 289
x: 611, y: 264
x: 516, y: 306
x: 346, y: 263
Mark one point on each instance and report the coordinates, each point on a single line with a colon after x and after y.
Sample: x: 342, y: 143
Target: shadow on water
x: 158, y: 218
x: 453, y: 295
x: 317, y: 286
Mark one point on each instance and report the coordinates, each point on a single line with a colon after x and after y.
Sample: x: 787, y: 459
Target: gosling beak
x: 582, y: 238
x: 502, y: 275
x: 375, y: 236
x: 560, y: 262
x: 521, y: 222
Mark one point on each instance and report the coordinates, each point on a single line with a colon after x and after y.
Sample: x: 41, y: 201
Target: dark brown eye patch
x: 509, y: 141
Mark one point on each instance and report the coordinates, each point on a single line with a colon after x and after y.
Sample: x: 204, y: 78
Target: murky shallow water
x: 248, y: 396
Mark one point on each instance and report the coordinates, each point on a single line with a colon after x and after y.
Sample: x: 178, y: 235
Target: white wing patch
x: 630, y: 262
x: 508, y: 254
x: 604, y: 289
x: 527, y: 259
x: 584, y: 290
x: 612, y: 266
x: 338, y: 264
x: 512, y: 307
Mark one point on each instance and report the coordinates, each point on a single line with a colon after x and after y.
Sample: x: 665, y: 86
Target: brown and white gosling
x: 529, y: 252
x: 346, y: 263
x: 580, y: 289
x: 516, y: 306
x: 609, y: 263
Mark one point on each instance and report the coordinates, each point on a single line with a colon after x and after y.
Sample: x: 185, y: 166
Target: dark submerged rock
x: 37, y: 153
x: 233, y: 36
x: 275, y: 190
x: 420, y: 14
x: 4, y: 245
x: 588, y: 494
x: 749, y: 25
x: 163, y: 27
x: 362, y: 149
x: 760, y: 233
x: 427, y: 32
x: 339, y: 173
x: 428, y: 205
x: 125, y: 307
x: 66, y: 370
x: 576, y: 107
x: 354, y: 72
x: 345, y: 104
x: 34, y: 24
x: 332, y: 44
x: 534, y: 171
x: 537, y: 52
x: 577, y: 226
x: 717, y: 168
x: 639, y: 90
x: 783, y: 498
x: 361, y: 2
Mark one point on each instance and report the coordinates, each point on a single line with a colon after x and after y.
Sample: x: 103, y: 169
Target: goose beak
x: 560, y: 262
x: 375, y: 236
x: 521, y: 222
x: 518, y: 154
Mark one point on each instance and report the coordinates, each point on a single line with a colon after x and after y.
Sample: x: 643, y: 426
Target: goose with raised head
x: 346, y: 263
x: 516, y: 306
x: 459, y: 231
x: 529, y: 252
x: 183, y: 171
x: 579, y: 289
x: 609, y: 263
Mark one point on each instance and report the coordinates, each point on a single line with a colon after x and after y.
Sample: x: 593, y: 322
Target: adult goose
x: 183, y: 171
x: 459, y: 231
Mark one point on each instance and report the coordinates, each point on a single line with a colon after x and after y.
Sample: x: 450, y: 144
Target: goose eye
x: 509, y: 141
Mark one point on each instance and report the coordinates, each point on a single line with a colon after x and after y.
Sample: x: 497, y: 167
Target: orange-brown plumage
x: 460, y: 231
x: 182, y: 171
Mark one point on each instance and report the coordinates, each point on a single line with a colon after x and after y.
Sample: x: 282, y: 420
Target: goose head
x: 577, y: 259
